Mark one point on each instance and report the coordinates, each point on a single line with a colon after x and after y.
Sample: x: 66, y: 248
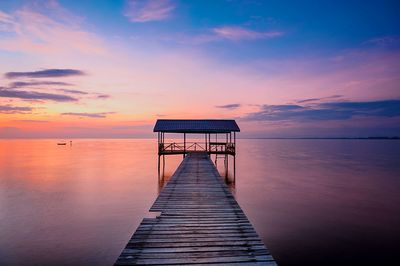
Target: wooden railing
x: 211, y: 147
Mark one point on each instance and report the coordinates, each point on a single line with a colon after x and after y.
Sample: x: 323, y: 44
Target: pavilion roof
x: 196, y: 126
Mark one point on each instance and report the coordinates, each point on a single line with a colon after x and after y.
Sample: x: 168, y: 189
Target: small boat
x: 62, y: 143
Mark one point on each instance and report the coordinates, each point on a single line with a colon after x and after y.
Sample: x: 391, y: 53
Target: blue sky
x: 145, y: 59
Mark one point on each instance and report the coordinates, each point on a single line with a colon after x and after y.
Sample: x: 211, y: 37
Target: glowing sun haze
x: 111, y: 68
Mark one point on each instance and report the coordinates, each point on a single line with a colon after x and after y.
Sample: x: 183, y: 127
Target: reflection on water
x: 72, y: 205
x: 228, y: 173
x: 312, y: 201
x: 323, y: 202
x: 166, y: 168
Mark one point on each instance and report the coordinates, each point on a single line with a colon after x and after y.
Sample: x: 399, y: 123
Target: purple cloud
x: 103, y: 96
x: 326, y: 111
x: 319, y: 99
x: 9, y: 109
x: 229, y: 106
x: 46, y: 73
x: 19, y: 84
x: 92, y: 115
x: 33, y: 95
x: 73, y: 91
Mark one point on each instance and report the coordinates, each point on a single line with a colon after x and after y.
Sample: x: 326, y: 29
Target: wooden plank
x: 200, y: 223
x: 128, y: 260
x: 194, y: 242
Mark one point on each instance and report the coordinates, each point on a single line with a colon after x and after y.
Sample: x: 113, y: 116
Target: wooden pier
x: 200, y: 222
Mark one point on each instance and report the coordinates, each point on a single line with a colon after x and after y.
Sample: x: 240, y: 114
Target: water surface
x: 312, y: 201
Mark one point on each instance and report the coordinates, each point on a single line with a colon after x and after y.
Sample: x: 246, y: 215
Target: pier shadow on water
x: 166, y: 171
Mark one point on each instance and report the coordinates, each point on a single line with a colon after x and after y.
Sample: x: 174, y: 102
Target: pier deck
x: 200, y: 223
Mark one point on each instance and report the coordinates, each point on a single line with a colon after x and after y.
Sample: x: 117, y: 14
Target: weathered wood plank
x: 200, y: 223
x: 167, y: 261
x: 193, y: 243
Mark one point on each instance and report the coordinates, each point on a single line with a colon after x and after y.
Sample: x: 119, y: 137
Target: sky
x: 110, y: 69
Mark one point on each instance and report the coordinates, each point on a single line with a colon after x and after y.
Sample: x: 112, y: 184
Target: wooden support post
x: 209, y: 140
x: 163, y: 165
x: 205, y: 138
x: 230, y: 141
x: 184, y: 145
x: 234, y: 168
x: 234, y: 141
x: 226, y: 166
x: 234, y: 157
x: 158, y: 167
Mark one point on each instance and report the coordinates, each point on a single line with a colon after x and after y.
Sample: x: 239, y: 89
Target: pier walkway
x: 200, y: 223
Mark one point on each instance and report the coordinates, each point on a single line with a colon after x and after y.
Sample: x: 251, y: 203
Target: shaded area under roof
x: 196, y: 126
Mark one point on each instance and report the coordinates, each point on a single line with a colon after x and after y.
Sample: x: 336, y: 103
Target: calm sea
x: 319, y: 202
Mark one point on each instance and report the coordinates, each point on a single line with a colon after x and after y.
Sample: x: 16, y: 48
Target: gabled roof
x: 196, y: 126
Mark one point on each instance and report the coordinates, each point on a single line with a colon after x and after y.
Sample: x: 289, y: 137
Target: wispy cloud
x: 92, y: 115
x: 103, y: 96
x: 236, y: 33
x: 311, y: 100
x: 229, y: 106
x: 46, y: 27
x: 46, y: 73
x: 148, y: 10
x: 6, y: 22
x: 28, y: 90
x: 384, y: 41
x: 74, y: 91
x: 227, y: 33
x: 326, y: 111
x: 32, y: 121
x: 18, y: 84
x: 33, y: 95
x: 9, y: 109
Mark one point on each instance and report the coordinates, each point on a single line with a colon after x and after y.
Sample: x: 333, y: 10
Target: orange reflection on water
x: 312, y: 201
x: 73, y: 197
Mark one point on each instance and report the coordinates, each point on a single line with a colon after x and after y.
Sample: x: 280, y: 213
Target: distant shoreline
x: 365, y: 138
x: 293, y: 138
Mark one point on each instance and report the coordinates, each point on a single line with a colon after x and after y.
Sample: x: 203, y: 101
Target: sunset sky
x: 72, y: 69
